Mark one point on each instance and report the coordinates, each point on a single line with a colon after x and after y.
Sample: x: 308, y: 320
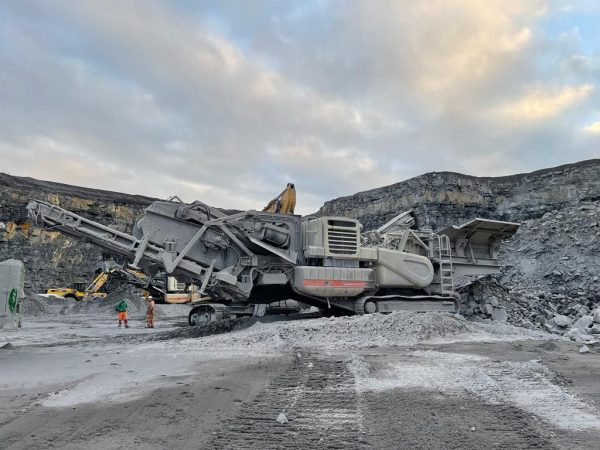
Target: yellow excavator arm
x: 96, y: 285
x: 284, y: 203
x: 102, y: 278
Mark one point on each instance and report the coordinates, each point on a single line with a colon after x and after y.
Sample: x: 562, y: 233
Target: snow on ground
x: 528, y: 385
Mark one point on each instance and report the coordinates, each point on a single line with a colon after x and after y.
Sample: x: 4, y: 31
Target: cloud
x: 593, y: 128
x: 540, y: 103
x: 226, y: 104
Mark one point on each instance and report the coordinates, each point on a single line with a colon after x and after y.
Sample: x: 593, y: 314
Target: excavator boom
x: 284, y: 203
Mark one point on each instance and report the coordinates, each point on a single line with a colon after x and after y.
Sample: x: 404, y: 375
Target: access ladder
x: 443, y: 253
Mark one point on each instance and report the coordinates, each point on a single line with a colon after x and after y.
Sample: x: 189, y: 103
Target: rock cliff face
x: 445, y: 198
x: 52, y: 259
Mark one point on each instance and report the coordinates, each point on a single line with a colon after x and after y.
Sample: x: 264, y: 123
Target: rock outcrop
x: 51, y: 259
x: 446, y: 198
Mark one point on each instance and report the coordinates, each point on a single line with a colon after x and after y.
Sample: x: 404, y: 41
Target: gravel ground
x: 404, y: 380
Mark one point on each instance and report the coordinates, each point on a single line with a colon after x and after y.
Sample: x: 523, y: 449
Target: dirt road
x: 193, y: 394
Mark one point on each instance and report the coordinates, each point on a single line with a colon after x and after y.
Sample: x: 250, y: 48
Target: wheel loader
x: 243, y: 261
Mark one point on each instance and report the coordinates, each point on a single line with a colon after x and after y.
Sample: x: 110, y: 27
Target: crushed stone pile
x: 372, y: 330
x: 400, y: 328
x: 40, y: 306
x: 106, y: 306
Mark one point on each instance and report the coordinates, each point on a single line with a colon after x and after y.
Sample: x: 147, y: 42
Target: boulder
x: 583, y: 323
x: 562, y: 321
x: 578, y: 335
x: 527, y: 324
x: 596, y: 315
x: 499, y: 315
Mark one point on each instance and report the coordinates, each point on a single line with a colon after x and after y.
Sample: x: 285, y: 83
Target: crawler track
x: 318, y: 397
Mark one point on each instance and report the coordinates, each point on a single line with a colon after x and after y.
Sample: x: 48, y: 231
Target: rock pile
x: 552, y: 270
x: 487, y: 299
x: 585, y: 329
x: 557, y: 255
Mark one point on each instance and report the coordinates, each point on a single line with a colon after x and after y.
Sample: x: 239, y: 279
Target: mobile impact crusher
x: 244, y: 261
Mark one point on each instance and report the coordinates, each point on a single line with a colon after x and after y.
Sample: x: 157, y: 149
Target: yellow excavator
x: 79, y: 290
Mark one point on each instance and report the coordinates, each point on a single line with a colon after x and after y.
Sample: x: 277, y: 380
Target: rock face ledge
x: 52, y: 259
x: 444, y: 198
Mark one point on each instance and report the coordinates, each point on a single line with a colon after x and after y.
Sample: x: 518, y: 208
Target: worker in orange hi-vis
x: 150, y: 313
x: 122, y: 311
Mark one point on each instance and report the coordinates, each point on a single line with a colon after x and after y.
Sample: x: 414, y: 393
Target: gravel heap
x: 371, y: 330
x: 40, y: 306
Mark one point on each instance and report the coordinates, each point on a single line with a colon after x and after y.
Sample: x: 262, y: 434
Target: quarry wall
x: 51, y: 259
x: 446, y: 198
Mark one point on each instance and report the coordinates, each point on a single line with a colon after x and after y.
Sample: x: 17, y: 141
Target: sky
x: 227, y: 101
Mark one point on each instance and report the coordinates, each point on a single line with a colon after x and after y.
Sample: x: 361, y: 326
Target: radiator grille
x: 342, y: 238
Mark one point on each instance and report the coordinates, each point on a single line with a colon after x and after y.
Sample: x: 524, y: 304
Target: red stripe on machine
x: 347, y: 283
x: 315, y: 282
x: 335, y: 283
